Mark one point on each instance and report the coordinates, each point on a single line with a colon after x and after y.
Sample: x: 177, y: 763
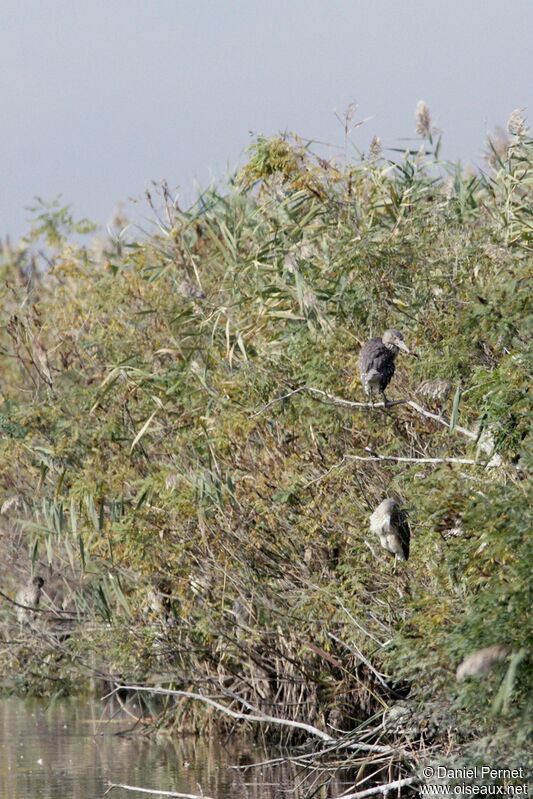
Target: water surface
x: 72, y: 749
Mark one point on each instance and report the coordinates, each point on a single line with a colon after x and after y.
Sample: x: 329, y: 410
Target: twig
x: 33, y: 608
x: 278, y: 399
x: 355, y: 651
x: 19, y: 605
x: 357, y: 623
x: 154, y: 793
x: 307, y: 757
x: 332, y: 399
x: 325, y: 474
x: 384, y: 789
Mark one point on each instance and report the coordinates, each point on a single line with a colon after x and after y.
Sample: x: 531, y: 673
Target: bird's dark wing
x: 376, y: 356
x: 404, y: 531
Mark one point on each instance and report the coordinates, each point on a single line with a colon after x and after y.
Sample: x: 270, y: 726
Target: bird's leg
x: 385, y: 400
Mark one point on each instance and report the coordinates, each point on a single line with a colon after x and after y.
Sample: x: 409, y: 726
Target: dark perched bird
x: 377, y: 362
x: 29, y: 595
x: 389, y: 523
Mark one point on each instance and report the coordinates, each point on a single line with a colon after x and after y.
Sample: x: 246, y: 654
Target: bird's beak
x: 402, y: 346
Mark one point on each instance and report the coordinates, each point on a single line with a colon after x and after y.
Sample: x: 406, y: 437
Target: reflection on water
x: 70, y: 750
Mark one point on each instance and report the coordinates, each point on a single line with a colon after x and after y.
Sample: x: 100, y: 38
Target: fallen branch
x: 332, y: 399
x: 384, y: 789
x: 154, y: 793
x: 263, y: 718
x: 256, y: 716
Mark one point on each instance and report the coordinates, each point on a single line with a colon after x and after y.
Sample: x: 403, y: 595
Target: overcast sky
x: 98, y: 97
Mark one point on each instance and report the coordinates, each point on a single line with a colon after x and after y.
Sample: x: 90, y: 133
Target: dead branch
x: 384, y: 789
x: 332, y: 399
x: 112, y: 785
x: 404, y: 459
x: 374, y: 456
x: 256, y: 716
x: 441, y: 420
x: 259, y: 717
x: 357, y: 652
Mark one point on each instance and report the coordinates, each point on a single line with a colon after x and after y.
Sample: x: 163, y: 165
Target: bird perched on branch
x: 389, y: 523
x: 30, y: 596
x: 377, y: 362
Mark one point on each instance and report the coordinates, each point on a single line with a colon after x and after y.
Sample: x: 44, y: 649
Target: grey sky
x: 98, y: 97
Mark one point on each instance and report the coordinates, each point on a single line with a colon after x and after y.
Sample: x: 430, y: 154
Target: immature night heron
x: 389, y: 523
x: 376, y: 361
x: 480, y: 662
x: 29, y: 595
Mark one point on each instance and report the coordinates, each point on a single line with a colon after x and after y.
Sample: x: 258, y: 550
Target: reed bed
x: 189, y: 460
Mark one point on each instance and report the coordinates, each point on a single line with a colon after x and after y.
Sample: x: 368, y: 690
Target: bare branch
x: 357, y: 652
x: 257, y: 716
x: 260, y: 717
x: 441, y: 420
x: 332, y: 399
x: 403, y: 459
x: 154, y: 793
x: 374, y: 456
x: 384, y: 789
x: 278, y: 399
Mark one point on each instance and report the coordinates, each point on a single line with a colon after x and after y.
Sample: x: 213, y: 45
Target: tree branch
x: 263, y: 718
x: 257, y: 716
x: 332, y: 399
x: 404, y: 459
x: 374, y: 456
x: 384, y: 789
x: 154, y: 793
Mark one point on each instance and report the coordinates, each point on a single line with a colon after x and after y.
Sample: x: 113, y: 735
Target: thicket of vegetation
x: 199, y: 535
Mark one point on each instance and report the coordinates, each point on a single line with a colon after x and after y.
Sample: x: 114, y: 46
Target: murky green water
x: 73, y: 749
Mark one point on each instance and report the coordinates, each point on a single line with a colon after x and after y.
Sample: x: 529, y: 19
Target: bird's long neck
x: 392, y: 348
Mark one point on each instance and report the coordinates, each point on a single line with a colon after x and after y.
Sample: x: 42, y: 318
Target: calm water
x: 71, y: 750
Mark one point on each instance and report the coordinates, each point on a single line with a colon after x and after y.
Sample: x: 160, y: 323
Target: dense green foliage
x: 209, y: 541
